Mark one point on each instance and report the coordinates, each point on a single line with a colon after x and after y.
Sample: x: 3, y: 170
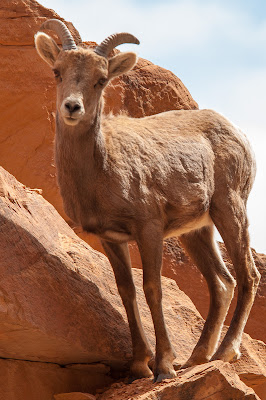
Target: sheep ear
x: 121, y: 63
x: 46, y: 48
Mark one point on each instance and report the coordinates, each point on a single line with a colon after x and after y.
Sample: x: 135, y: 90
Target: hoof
x: 139, y: 370
x: 192, y: 361
x: 164, y: 371
x: 163, y: 368
x: 160, y: 377
x: 227, y: 355
x: 177, y: 366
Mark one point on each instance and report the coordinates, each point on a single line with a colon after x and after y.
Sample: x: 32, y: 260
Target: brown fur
x: 177, y: 173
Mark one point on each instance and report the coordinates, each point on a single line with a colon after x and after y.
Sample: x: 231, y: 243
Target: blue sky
x: 217, y: 48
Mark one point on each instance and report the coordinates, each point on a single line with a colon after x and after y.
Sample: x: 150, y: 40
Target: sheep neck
x: 80, y: 149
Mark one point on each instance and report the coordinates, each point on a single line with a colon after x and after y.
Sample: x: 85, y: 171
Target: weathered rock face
x: 28, y: 96
x: 45, y: 266
x: 74, y: 396
x: 58, y: 296
x: 59, y: 302
x: 146, y: 90
x: 212, y: 381
x: 23, y: 380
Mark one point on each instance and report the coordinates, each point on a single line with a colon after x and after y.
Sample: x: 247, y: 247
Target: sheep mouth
x: 71, y: 121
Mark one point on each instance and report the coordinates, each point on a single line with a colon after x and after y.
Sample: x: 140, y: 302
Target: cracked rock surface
x: 59, y: 303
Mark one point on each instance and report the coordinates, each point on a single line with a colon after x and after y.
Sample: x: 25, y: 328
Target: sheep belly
x: 204, y: 220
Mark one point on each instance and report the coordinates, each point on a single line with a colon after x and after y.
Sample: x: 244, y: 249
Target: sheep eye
x: 101, y: 82
x: 57, y: 74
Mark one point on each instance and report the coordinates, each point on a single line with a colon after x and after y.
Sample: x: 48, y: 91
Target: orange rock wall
x: 60, y: 307
x: 24, y: 380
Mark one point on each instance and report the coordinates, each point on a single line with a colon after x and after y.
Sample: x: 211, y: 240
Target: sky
x: 217, y: 48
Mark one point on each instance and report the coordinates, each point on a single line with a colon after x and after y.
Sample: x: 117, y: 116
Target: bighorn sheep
x: 178, y: 173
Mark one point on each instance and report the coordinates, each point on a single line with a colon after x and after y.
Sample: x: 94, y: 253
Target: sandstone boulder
x: 27, y: 95
x: 212, y: 381
x: 74, y: 396
x: 24, y: 380
x: 59, y: 302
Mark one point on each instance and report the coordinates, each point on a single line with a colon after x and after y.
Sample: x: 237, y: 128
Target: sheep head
x: 81, y: 73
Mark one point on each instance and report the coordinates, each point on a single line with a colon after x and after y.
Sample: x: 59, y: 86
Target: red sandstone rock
x: 23, y: 380
x: 19, y: 19
x: 59, y: 301
x: 146, y: 90
x: 45, y: 266
x: 27, y: 97
x: 74, y: 396
x: 251, y: 367
x: 212, y: 381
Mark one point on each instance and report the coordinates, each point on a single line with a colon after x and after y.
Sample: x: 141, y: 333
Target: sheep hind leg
x: 234, y: 231
x: 119, y: 258
x: 203, y: 250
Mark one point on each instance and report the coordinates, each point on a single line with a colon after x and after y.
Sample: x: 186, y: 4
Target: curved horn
x: 105, y: 48
x: 62, y: 31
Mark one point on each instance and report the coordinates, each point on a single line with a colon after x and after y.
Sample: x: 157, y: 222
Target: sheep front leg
x: 150, y: 243
x: 119, y: 257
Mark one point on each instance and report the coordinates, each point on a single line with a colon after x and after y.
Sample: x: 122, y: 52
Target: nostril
x: 72, y: 107
x: 76, y: 107
x: 68, y: 106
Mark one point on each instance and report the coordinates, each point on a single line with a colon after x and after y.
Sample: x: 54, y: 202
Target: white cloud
x: 161, y: 27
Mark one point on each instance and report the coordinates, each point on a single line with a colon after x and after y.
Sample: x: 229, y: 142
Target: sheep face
x: 81, y: 75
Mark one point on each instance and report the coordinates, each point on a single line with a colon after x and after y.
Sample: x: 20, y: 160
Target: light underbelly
x: 117, y: 236
x: 105, y: 232
x: 204, y: 220
x: 114, y: 236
